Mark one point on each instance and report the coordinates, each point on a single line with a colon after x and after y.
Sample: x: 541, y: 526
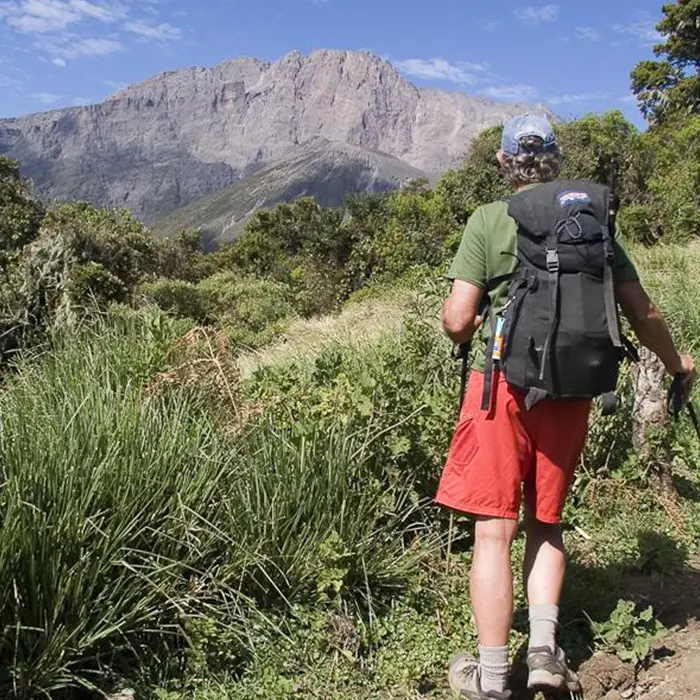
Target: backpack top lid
x: 540, y: 209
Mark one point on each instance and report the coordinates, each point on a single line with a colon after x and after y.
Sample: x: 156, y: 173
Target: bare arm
x: 460, y: 313
x: 650, y: 328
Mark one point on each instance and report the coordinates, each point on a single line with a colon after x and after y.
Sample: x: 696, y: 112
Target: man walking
x: 510, y: 443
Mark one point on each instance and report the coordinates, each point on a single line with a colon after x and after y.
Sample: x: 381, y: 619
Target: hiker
x: 540, y: 280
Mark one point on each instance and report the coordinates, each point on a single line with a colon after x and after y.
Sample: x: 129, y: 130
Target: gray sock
x: 493, y: 668
x: 543, y: 625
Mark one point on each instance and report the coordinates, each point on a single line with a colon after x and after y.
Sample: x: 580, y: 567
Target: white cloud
x: 579, y: 97
x: 510, y: 93
x: 81, y: 101
x: 67, y: 46
x: 46, y: 98
x: 587, y: 33
x: 643, y: 28
x: 629, y: 99
x: 490, y: 25
x: 535, y: 14
x: 160, y: 32
x: 461, y: 73
x: 44, y: 16
x: 68, y: 29
x: 6, y: 81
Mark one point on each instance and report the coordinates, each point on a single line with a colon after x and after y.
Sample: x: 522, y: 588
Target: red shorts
x: 495, y: 456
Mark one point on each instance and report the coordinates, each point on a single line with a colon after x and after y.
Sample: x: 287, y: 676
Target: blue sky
x: 574, y: 57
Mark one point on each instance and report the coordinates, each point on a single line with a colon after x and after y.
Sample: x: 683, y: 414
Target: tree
x: 478, y: 181
x: 595, y: 147
x: 671, y: 84
x: 20, y: 212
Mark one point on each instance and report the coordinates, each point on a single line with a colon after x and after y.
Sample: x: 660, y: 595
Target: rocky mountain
x: 161, y: 144
x: 328, y: 171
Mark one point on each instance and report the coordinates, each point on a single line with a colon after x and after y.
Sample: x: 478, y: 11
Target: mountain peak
x: 162, y: 143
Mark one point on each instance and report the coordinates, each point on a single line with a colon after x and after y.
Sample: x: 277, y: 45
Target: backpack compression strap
x: 553, y: 272
x: 609, y: 276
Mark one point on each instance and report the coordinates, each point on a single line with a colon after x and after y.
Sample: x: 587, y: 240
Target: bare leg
x: 492, y: 580
x: 545, y: 562
x: 545, y: 565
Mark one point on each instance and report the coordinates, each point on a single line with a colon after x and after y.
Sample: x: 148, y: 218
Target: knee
x: 545, y: 532
x: 495, y: 533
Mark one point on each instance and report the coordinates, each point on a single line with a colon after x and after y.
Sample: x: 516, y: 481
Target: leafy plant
x: 629, y: 634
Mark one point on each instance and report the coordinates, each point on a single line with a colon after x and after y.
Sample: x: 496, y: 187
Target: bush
x: 20, y: 212
x: 178, y: 297
x: 136, y: 515
x: 251, y: 311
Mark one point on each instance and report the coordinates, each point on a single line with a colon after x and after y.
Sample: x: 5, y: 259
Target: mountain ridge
x: 327, y: 171
x: 177, y: 136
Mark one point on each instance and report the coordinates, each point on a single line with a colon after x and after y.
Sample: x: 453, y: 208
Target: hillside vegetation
x: 218, y: 469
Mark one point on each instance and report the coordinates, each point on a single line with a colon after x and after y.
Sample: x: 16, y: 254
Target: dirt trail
x: 674, y: 674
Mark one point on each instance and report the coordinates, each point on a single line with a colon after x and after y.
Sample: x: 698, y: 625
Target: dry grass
x: 359, y: 324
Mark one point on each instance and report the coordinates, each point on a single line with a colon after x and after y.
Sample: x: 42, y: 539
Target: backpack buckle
x: 552, y: 261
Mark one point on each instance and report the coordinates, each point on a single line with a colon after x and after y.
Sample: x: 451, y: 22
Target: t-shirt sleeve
x: 469, y: 264
x: 625, y: 271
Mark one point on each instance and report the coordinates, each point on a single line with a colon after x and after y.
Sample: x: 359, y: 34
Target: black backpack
x: 559, y: 332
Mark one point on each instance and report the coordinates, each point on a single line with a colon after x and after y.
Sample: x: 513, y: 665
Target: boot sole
x: 544, y: 681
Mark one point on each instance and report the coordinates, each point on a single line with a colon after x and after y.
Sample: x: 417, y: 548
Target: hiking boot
x: 464, y: 679
x: 549, y: 672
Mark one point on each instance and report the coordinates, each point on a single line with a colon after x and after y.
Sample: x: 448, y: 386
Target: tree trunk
x: 650, y: 411
x: 650, y: 417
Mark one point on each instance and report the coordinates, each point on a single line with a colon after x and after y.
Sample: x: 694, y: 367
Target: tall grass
x: 671, y: 275
x: 124, y: 514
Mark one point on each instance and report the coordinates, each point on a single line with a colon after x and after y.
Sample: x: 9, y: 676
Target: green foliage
x: 629, y: 634
x: 181, y: 257
x: 595, y: 147
x: 478, y: 181
x: 80, y: 259
x: 675, y: 183
x: 671, y: 85
x: 136, y: 518
x: 20, y: 212
x: 178, y: 297
x: 411, y: 229
x: 251, y: 311
x: 403, y: 388
x: 275, y: 238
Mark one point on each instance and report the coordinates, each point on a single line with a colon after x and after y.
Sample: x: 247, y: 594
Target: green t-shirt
x: 488, y: 251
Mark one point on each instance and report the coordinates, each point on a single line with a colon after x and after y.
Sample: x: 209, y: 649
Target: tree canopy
x: 671, y: 84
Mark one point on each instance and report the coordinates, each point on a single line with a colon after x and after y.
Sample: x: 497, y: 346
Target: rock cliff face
x: 178, y: 136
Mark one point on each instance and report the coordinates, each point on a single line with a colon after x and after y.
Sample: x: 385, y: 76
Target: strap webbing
x: 463, y: 354
x: 609, y: 288
x: 553, y: 272
x: 488, y: 372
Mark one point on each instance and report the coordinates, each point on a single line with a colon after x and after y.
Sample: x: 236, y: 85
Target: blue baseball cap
x: 526, y: 125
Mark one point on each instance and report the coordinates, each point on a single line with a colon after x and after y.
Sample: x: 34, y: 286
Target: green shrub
x: 178, y: 297
x: 136, y: 514
x: 20, y: 212
x: 251, y: 311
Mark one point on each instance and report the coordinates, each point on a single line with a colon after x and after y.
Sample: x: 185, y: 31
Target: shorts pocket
x: 465, y: 443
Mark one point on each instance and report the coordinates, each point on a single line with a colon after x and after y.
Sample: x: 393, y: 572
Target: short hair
x: 534, y: 164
